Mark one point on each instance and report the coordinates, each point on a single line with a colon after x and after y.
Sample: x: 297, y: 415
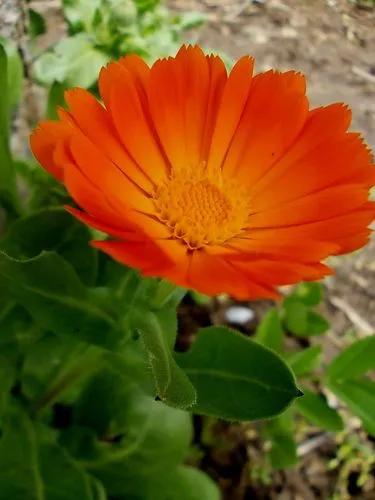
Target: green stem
x: 167, y: 291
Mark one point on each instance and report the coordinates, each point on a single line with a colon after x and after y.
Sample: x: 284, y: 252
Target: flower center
x: 201, y: 209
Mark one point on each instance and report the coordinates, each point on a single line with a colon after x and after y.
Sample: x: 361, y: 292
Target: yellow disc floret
x: 201, y: 208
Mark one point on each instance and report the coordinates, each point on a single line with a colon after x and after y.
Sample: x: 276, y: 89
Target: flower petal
x: 107, y: 177
x: 178, y: 95
x: 95, y: 123
x: 324, y: 204
x: 322, y: 125
x: 43, y: 142
x: 231, y: 108
x: 143, y: 255
x: 336, y: 229
x: 274, y: 114
x: 213, y: 275
x: 131, y: 119
x: 129, y: 233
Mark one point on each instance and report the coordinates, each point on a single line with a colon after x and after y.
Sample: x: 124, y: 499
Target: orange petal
x: 303, y: 250
x: 43, y: 142
x: 213, y: 275
x: 322, y: 125
x: 352, y: 242
x: 90, y: 198
x: 277, y: 273
x: 335, y: 230
x: 136, y: 66
x: 94, y: 122
x: 234, y: 98
x: 140, y: 72
x: 340, y: 160
x: 195, y: 74
x: 132, y: 122
x: 274, y: 114
x: 107, y: 177
x: 129, y: 233
x: 217, y: 80
x: 319, y: 206
x: 143, y: 255
x: 178, y: 95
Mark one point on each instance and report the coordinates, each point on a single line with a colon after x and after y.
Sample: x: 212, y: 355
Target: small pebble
x: 239, y: 315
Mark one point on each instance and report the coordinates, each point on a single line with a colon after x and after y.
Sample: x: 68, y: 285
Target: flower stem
x: 165, y: 293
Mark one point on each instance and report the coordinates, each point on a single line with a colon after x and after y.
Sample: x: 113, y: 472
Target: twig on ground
x: 365, y: 328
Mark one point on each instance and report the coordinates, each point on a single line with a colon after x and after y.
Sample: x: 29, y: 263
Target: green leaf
x: 309, y: 293
x: 56, y: 352
x: 305, y: 361
x: 81, y: 13
x: 295, y: 316
x: 7, y: 378
x: 74, y: 61
x: 172, y: 384
x: 270, y: 331
x: 235, y: 377
x: 16, y: 326
x: 55, y: 99
x: 53, y: 229
x: 4, y: 104
x: 154, y: 439
x: 354, y: 361
x: 146, y: 5
x: 122, y: 12
x: 37, y: 24
x: 101, y: 403
x: 314, y: 407
x: 300, y: 320
x: 280, y: 431
x: 49, y: 289
x: 316, y: 324
x: 8, y: 194
x: 13, y: 74
x: 165, y: 294
x: 20, y: 476
x: 359, y: 395
x: 63, y: 478
x: 35, y: 468
x: 185, y: 483
x: 200, y: 298
x: 283, y: 453
x: 191, y: 20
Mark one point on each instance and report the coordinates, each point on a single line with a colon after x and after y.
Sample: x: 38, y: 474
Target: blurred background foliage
x: 100, y: 30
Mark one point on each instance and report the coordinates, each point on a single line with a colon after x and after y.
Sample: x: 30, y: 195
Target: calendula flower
x: 218, y: 182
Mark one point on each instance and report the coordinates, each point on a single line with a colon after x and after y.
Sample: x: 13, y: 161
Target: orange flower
x: 217, y: 182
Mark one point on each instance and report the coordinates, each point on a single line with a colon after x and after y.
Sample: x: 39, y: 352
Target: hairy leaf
x: 236, y: 378
x: 172, y: 384
x: 48, y: 287
x: 53, y: 229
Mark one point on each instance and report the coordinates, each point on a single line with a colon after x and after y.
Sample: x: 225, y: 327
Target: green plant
x: 94, y: 401
x: 344, y: 376
x: 101, y: 30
